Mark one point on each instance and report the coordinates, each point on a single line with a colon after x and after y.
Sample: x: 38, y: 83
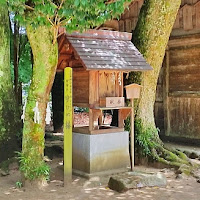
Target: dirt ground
x: 185, y: 188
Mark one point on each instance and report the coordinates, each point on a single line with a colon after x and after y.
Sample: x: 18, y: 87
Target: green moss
x: 31, y: 169
x: 181, y: 155
x: 186, y: 169
x: 45, y: 63
x: 144, y: 138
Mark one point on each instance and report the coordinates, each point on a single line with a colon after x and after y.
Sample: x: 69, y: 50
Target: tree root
x: 148, y: 143
x: 174, y: 158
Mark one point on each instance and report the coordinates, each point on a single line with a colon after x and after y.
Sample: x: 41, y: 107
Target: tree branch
x: 61, y: 4
x: 50, y: 21
x: 65, y: 21
x: 52, y: 3
x: 29, y: 7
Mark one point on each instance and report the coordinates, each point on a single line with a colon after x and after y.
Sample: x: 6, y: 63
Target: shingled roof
x: 107, y: 50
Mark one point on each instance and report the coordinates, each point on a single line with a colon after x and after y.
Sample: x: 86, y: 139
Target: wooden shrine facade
x: 178, y: 90
x: 99, y: 59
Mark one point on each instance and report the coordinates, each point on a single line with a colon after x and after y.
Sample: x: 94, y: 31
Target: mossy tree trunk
x: 9, y: 115
x: 45, y: 55
x: 151, y: 36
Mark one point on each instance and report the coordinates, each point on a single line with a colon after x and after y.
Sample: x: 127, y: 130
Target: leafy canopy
x: 72, y: 14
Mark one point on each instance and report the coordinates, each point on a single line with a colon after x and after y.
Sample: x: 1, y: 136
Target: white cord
x: 48, y: 114
x: 36, y: 114
x: 24, y: 108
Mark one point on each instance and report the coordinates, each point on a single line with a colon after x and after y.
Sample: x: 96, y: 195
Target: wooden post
x: 67, y: 125
x: 132, y: 135
x: 91, y: 120
x: 166, y: 95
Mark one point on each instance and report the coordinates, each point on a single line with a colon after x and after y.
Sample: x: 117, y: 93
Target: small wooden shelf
x: 96, y: 115
x: 111, y: 108
x: 81, y: 105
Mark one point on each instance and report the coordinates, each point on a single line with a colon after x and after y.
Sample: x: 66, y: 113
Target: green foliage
x: 25, y: 64
x: 127, y: 124
x: 133, y: 77
x: 144, y: 139
x: 31, y: 170
x: 19, y: 184
x: 73, y: 14
x: 81, y: 109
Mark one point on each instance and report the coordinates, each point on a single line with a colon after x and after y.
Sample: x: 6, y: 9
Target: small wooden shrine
x: 99, y: 59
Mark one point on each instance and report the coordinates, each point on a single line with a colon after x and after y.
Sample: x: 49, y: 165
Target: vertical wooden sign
x: 132, y: 136
x: 67, y: 125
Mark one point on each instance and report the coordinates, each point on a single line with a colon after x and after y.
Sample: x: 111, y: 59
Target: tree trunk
x: 16, y: 57
x: 45, y: 55
x: 58, y: 102
x: 9, y: 115
x: 151, y: 36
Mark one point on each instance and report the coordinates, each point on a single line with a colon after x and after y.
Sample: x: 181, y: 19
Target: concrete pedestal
x: 100, y: 153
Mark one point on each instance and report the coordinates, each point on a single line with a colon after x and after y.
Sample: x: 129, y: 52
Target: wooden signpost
x: 67, y: 125
x: 132, y: 135
x: 132, y: 92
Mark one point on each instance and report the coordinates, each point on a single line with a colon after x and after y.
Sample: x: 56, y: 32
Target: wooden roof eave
x: 122, y: 70
x: 102, y: 34
x: 83, y: 64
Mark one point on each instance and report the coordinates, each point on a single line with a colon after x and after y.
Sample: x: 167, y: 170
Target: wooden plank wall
x: 80, y: 87
x: 188, y: 18
x: 129, y: 19
x: 184, y: 71
x: 109, y: 84
x: 158, y: 108
x: 184, y: 89
x: 184, y: 117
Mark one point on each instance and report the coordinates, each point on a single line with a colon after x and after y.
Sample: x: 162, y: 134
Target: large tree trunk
x: 151, y: 36
x: 45, y: 55
x: 58, y: 102
x: 9, y: 115
x: 16, y: 57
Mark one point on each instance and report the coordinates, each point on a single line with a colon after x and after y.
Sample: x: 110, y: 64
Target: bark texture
x: 16, y: 57
x: 151, y: 36
x: 45, y: 55
x: 9, y: 115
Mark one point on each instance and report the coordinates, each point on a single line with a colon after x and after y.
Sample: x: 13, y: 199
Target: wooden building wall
x: 81, y: 88
x: 178, y: 91
x: 183, y: 78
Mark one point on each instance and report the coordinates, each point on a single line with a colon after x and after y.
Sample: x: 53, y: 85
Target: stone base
x: 100, y: 153
x: 103, y: 173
